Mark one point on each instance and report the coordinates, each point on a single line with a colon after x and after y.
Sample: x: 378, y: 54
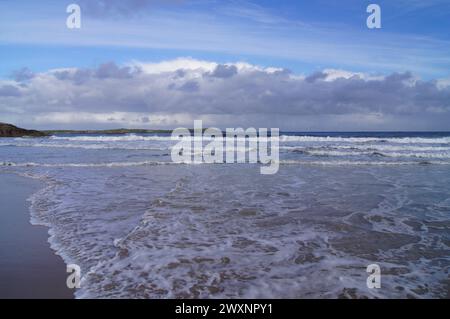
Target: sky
x: 295, y: 65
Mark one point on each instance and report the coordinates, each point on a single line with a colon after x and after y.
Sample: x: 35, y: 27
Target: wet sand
x: 28, y: 267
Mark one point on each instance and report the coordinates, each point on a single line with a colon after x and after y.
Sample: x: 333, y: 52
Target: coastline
x: 29, y: 268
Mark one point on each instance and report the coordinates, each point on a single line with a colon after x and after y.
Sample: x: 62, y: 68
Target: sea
x: 141, y: 226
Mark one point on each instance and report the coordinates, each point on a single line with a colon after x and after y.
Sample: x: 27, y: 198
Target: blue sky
x: 296, y: 65
x: 302, y: 36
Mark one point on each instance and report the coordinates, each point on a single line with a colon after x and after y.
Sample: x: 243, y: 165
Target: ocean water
x: 141, y: 226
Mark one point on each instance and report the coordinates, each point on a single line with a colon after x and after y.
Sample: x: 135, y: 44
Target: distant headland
x: 9, y: 130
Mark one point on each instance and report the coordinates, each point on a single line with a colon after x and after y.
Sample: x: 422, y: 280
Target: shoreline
x: 29, y: 268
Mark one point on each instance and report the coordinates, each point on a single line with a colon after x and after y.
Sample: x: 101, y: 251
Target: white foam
x: 371, y: 147
x: 399, y: 140
x: 172, y: 251
x: 358, y: 163
x: 281, y: 162
x: 111, y: 164
x: 110, y: 138
x: 121, y: 146
x: 442, y: 155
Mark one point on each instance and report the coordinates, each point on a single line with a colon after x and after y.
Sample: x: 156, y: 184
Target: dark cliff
x: 8, y: 130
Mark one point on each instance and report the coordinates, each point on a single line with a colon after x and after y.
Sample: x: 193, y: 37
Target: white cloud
x: 173, y: 93
x: 334, y: 74
x: 174, y: 65
x: 195, y: 66
x: 443, y: 83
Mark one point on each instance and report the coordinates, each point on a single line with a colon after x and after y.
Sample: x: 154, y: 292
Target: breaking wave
x: 396, y: 140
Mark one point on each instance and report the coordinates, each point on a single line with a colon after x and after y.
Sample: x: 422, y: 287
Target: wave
x: 107, y: 138
x: 335, y: 150
x: 121, y: 146
x: 398, y: 140
x: 88, y: 146
x: 111, y: 164
x: 371, y: 147
x: 418, y: 155
x: 384, y: 154
x: 283, y: 138
x: 281, y: 162
x: 362, y: 163
x: 141, y: 138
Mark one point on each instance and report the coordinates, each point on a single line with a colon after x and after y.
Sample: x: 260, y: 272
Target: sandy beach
x: 28, y: 267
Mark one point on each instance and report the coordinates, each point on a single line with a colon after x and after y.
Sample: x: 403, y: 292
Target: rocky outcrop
x: 8, y: 130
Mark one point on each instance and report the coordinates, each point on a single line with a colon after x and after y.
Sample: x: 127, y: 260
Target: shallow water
x: 142, y: 227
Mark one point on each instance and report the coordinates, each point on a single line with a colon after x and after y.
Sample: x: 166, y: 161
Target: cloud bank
x: 173, y: 93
